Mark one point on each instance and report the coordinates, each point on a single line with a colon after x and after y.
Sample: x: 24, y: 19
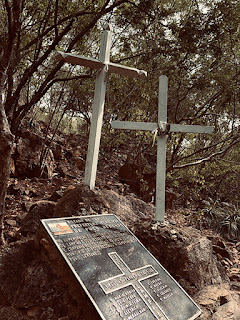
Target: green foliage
x: 225, y: 221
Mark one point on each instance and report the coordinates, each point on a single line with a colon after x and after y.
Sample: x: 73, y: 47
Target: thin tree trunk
x: 6, y: 147
x: 13, y: 13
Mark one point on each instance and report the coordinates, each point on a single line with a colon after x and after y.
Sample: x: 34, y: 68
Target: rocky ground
x: 35, y: 283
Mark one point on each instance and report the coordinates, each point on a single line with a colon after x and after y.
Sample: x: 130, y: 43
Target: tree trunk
x: 6, y: 147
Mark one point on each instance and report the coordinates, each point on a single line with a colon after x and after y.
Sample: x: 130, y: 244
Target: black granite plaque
x: 122, y: 279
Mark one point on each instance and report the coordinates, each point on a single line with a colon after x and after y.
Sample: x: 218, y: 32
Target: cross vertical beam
x: 97, y: 113
x: 161, y: 149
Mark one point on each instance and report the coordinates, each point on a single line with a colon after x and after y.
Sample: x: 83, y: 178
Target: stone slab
x: 120, y: 276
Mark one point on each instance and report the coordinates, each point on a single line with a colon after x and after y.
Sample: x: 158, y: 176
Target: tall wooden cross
x: 104, y: 66
x: 162, y: 128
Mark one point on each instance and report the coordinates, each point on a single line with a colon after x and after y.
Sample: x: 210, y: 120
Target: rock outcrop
x: 28, y: 159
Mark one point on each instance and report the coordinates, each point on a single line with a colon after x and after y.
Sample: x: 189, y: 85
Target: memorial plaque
x: 120, y: 276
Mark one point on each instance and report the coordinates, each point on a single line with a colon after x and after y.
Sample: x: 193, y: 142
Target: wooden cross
x: 133, y: 278
x: 162, y: 128
x: 104, y: 66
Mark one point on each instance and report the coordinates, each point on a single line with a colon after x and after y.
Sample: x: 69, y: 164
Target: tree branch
x: 47, y: 83
x: 196, y: 162
x: 52, y: 27
x: 29, y: 72
x: 200, y: 150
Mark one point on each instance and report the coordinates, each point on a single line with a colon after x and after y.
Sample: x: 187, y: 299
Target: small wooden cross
x: 162, y: 128
x: 104, y: 66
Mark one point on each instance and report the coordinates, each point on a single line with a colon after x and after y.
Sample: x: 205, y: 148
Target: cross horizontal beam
x: 126, y: 71
x: 79, y: 60
x: 148, y: 126
x: 97, y: 64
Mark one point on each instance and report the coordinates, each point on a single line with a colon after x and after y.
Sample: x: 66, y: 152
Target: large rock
x: 218, y: 302
x: 184, y: 253
x: 29, y: 148
x: 43, y: 209
x: 142, y: 181
x: 81, y: 201
x: 34, y: 285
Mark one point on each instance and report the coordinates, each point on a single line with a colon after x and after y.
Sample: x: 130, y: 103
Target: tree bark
x: 13, y: 11
x: 6, y: 148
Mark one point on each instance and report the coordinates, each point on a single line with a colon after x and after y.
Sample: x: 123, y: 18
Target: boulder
x: 228, y: 311
x: 43, y: 209
x: 78, y: 200
x: 79, y: 162
x: 142, y: 181
x: 56, y: 195
x: 29, y: 148
x: 218, y: 302
x: 185, y: 253
x: 35, y: 286
x: 78, y: 158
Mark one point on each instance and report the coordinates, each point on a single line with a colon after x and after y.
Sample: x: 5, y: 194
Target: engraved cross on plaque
x: 104, y: 66
x: 162, y: 128
x: 134, y: 278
